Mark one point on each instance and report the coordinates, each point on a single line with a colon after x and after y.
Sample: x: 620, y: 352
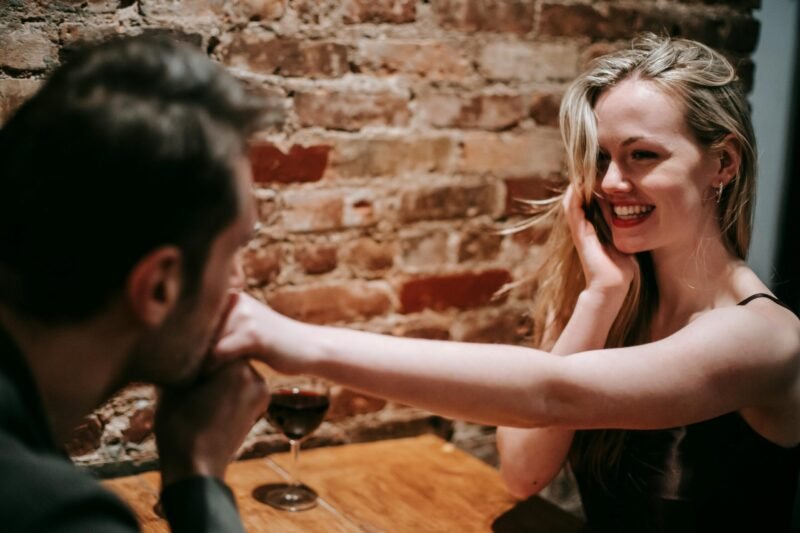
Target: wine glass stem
x: 294, y: 445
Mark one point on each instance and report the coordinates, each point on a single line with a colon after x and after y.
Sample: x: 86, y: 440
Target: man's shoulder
x: 36, y: 488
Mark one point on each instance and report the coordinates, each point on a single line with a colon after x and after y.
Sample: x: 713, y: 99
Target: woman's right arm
x: 531, y: 458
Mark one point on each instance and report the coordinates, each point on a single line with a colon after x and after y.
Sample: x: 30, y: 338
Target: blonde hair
x: 715, y: 107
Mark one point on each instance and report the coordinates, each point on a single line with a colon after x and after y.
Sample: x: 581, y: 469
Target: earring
x: 720, y: 187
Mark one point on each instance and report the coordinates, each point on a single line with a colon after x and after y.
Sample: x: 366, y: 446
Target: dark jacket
x: 41, y: 490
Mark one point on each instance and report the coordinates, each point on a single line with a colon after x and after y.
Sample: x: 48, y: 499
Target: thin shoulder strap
x: 764, y: 295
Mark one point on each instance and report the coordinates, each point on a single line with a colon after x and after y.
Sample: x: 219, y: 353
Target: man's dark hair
x: 129, y: 146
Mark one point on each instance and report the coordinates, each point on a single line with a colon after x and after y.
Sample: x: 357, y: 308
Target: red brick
x: 434, y: 60
x: 317, y: 11
x: 268, y: 206
x: 531, y: 62
x: 203, y: 11
x: 255, y: 9
x: 531, y: 188
x: 140, y: 426
x: 344, y: 302
x: 370, y: 256
x: 351, y: 111
x: 73, y: 33
x: 512, y: 155
x: 427, y: 332
x: 273, y: 101
x: 262, y: 52
x: 599, y: 49
x: 86, y: 437
x: 302, y: 163
x: 479, y: 246
x: 316, y: 258
x: 191, y: 38
x: 424, y: 326
x: 483, y: 111
x: 462, y: 291
x: 732, y: 32
x: 346, y: 403
x: 379, y: 11
x: 532, y: 236
x: 544, y: 108
x: 584, y: 20
x: 448, y: 201
x: 26, y: 49
x: 313, y: 210
x: 426, y: 250
x: 508, y: 327
x: 209, y: 11
x: 90, y: 6
x: 738, y: 33
x: 391, y: 156
x: 752, y: 4
x: 322, y: 210
x: 361, y: 208
x: 514, y: 16
x: 13, y: 93
x: 263, y: 264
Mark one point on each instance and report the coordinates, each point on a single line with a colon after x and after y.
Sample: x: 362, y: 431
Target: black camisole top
x: 715, y: 475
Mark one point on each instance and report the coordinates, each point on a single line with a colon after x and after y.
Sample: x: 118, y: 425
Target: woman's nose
x: 614, y: 180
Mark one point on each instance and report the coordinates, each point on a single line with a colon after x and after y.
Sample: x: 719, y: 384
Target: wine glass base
x: 286, y: 497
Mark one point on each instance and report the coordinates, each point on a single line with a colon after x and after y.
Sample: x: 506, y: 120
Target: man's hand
x: 199, y: 429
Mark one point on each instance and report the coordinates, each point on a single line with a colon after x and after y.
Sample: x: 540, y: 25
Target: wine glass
x: 297, y: 407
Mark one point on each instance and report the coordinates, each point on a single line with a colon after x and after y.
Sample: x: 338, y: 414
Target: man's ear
x: 729, y: 152
x: 154, y: 285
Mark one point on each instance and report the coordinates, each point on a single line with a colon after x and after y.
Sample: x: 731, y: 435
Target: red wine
x: 297, y: 412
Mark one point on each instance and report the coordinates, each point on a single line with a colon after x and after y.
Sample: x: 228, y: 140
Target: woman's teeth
x: 632, y: 211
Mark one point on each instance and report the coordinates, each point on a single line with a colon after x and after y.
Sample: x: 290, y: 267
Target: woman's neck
x: 693, y: 279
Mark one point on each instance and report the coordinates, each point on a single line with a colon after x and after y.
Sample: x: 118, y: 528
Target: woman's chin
x: 628, y: 246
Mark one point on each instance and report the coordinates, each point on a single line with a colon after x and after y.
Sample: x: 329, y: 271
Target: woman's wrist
x: 603, y: 298
x: 296, y: 347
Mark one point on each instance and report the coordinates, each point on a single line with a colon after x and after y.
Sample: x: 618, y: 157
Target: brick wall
x: 401, y: 131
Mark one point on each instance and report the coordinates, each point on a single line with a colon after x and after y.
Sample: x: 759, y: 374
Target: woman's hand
x: 605, y: 268
x: 252, y: 330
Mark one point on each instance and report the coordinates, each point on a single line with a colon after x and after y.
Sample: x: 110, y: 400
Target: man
x: 123, y: 199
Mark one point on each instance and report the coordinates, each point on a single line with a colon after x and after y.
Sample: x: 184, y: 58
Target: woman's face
x: 654, y: 178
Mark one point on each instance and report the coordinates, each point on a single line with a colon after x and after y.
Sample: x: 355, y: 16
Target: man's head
x: 118, y: 180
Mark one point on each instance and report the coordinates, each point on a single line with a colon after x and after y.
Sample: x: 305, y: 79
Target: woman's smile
x: 629, y: 215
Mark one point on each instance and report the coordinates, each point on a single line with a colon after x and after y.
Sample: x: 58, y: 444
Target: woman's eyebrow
x: 633, y: 139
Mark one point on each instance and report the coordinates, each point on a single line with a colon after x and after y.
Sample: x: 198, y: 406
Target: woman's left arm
x: 729, y: 359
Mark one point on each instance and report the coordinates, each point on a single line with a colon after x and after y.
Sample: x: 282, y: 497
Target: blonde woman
x: 679, y: 403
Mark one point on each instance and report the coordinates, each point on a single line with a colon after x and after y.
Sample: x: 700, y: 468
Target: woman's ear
x: 729, y: 154
x: 154, y: 284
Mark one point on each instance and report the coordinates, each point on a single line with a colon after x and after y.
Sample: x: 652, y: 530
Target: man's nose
x: 614, y: 180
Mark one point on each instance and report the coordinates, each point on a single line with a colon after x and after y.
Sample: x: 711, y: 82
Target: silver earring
x: 719, y: 191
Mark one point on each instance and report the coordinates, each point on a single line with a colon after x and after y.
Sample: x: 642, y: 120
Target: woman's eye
x: 602, y: 161
x: 643, y: 154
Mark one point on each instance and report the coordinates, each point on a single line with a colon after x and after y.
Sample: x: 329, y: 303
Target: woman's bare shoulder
x: 780, y: 319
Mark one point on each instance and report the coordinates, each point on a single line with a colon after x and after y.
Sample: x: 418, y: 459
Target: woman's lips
x: 629, y: 215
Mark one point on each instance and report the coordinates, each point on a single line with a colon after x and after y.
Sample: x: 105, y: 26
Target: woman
x: 676, y: 348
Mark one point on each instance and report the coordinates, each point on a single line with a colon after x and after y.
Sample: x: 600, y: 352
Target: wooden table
x: 419, y: 484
